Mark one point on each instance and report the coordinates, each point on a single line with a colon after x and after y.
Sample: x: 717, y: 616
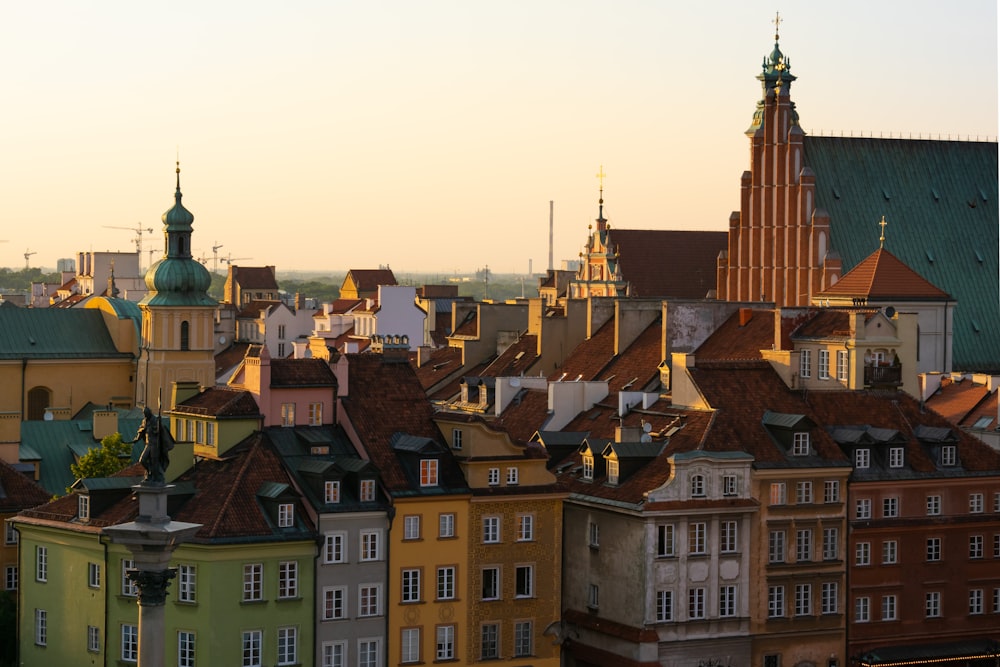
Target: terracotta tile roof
x: 256, y: 277
x: 301, y: 373
x: 443, y: 362
x: 368, y: 280
x: 515, y: 360
x: 469, y: 326
x: 734, y: 340
x: 986, y: 409
x: 219, y: 402
x: 636, y: 367
x: 18, y: 491
x: 253, y: 308
x: 522, y: 418
x: 882, y: 276
x: 826, y: 323
x: 341, y: 306
x: 668, y: 263
x: 454, y: 386
x: 955, y: 400
x: 230, y: 357
x: 589, y: 357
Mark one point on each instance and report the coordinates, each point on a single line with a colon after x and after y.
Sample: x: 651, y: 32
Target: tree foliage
x: 103, y: 461
x: 21, y: 279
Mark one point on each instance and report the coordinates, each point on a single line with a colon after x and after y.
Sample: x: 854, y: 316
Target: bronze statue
x: 155, y: 456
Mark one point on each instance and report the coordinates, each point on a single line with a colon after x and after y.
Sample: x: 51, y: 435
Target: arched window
x: 39, y: 398
x: 185, y: 336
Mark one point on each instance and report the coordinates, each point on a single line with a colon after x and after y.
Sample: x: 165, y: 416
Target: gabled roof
x: 882, y: 277
x: 54, y: 333
x: 668, y: 263
x: 18, y: 491
x: 955, y: 400
x: 368, y: 280
x: 219, y: 402
x: 940, y: 197
x: 301, y: 373
x: 252, y: 310
x: 256, y: 277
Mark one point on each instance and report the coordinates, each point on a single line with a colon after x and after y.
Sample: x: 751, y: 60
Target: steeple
x: 775, y: 79
x: 602, y: 223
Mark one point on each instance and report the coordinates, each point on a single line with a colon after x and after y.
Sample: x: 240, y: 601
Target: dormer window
x: 286, y: 515
x: 428, y: 472
x: 800, y: 444
x: 456, y: 438
x: 588, y: 466
x: 366, y: 493
x: 862, y: 457
x: 896, y: 457
x: 331, y: 492
x: 83, y: 507
x: 612, y: 471
x: 697, y: 486
x: 948, y: 455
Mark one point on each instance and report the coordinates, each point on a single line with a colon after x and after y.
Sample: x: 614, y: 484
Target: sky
x: 431, y: 136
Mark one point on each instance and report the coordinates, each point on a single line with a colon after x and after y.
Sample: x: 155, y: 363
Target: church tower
x: 599, y: 273
x: 178, y: 315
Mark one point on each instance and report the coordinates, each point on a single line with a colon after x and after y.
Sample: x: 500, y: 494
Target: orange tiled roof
x: 734, y: 340
x: 589, y: 357
x: 522, y: 418
x: 219, y: 402
x: 515, y: 360
x: 679, y: 264
x: 954, y: 400
x: 368, y: 280
x: 230, y: 357
x: 256, y: 278
x: 19, y: 491
x: 986, y: 409
x: 301, y: 373
x: 882, y: 276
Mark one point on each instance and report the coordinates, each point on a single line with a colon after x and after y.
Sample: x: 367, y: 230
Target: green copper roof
x: 55, y: 333
x: 940, y: 200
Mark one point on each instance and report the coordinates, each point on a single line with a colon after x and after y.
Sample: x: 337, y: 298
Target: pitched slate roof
x: 940, y: 200
x: 657, y: 262
x: 882, y: 276
x: 54, y: 333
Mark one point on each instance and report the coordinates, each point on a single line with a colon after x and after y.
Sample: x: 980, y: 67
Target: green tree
x: 104, y: 461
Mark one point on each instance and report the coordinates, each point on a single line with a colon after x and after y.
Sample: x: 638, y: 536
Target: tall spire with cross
x: 602, y: 223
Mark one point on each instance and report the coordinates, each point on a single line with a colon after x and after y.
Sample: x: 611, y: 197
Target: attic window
x: 983, y: 422
x: 331, y: 492
x: 612, y: 471
x: 948, y: 457
x: 800, y: 444
x: 698, y: 486
x: 286, y: 515
x: 83, y: 507
x: 428, y: 472
x: 588, y: 466
x: 367, y: 490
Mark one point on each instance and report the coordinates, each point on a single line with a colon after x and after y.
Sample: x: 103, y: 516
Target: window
x: 975, y: 546
x: 94, y: 575
x: 805, y: 363
x: 512, y: 476
x: 444, y: 648
x: 697, y: 486
x: 800, y: 444
x: 83, y: 507
x: 665, y: 541
x: 456, y: 438
x: 370, y: 545
x: 863, y: 509
x: 93, y: 639
x: 588, y: 466
x: 996, y: 600
x: 446, y: 525
x: 185, y: 330
x: 803, y: 493
x: 286, y: 515
x: 842, y: 365
x: 491, y: 583
x: 428, y: 472
x: 525, y: 528
x: 823, y: 365
x: 493, y: 477
x: 130, y: 642
x: 933, y: 548
x: 831, y: 544
x: 368, y: 652
x: 828, y: 597
x: 696, y: 603
x: 251, y: 648
x: 996, y: 546
x: 288, y: 645
x: 932, y: 604
x: 803, y: 545
x: 523, y: 644
x: 288, y: 414
x: 200, y: 432
x: 863, y: 553
x: 10, y: 577
x: 777, y: 493
x: 489, y: 641
x: 593, y: 596
x: 253, y: 586
x: 862, y: 457
x: 10, y: 534
x: 186, y: 581
x: 727, y: 537
x: 41, y: 564
x: 696, y: 538
x: 996, y: 501
x: 776, y: 547
x: 890, y: 552
x: 334, y: 603
x: 933, y: 505
x: 411, y: 586
x: 727, y: 601
x: 975, y: 503
x: 410, y: 645
x: 210, y: 433
x: 976, y: 601
x: 369, y: 603
x: 333, y: 548
x: 524, y: 586
x: 594, y: 537
x: 315, y: 414
x: 331, y: 492
x: 890, y: 507
x: 888, y: 607
x: 730, y: 486
x: 664, y: 606
x: 367, y: 491
x: 41, y: 627
x: 446, y: 583
x: 803, y: 599
x: 129, y: 588
x: 411, y: 527
x: 862, y: 609
x: 948, y: 455
x: 896, y: 457
x: 491, y: 529
x: 772, y: 660
x: 288, y: 579
x: 775, y: 601
x: 831, y: 491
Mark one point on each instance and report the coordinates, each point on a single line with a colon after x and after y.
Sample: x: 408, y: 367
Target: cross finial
x: 600, y: 176
x: 881, y: 239
x: 777, y: 24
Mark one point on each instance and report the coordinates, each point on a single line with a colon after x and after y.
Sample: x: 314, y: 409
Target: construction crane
x: 139, y: 231
x: 27, y: 254
x: 230, y: 259
x: 215, y: 258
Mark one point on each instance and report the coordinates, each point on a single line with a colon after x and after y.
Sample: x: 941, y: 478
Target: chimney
x: 746, y: 314
x: 105, y: 423
x: 300, y: 301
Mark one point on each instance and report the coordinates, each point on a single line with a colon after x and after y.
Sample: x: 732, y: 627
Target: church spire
x: 775, y: 79
x: 602, y: 223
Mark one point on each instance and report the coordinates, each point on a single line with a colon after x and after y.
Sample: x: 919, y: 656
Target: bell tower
x: 178, y: 315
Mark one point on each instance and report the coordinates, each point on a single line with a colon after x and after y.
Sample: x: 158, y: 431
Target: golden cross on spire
x: 881, y: 239
x: 600, y: 176
x: 777, y: 24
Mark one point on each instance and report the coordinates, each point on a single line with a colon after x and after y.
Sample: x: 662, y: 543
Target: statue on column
x: 155, y: 457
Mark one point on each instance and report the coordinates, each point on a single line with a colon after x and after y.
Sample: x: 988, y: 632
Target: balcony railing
x: 883, y: 376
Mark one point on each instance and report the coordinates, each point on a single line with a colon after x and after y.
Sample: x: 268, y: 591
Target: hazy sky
x: 431, y: 135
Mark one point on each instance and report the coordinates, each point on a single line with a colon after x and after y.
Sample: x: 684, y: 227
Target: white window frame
x: 288, y: 645
x: 823, y: 364
x: 41, y: 564
x: 410, y: 589
x: 446, y: 582
x: 803, y: 493
x: 829, y: 592
x: 933, y: 505
x: 831, y: 543
x: 696, y: 603
x: 842, y: 366
x: 288, y: 414
x: 129, y: 588
x: 41, y: 627
x: 493, y: 477
x: 444, y: 642
x: 800, y: 443
x: 728, y: 536
x: 933, y: 549
x: 524, y: 581
x: 862, y: 609
x: 446, y: 525
x: 862, y: 458
x: 932, y: 604
x: 831, y: 491
x: 777, y: 494
x: 730, y: 485
x: 976, y: 547
x: 863, y: 508
x: 411, y: 527
x: 698, y: 538
x: 727, y: 600
x: 316, y: 413
x: 10, y: 578
x: 371, y: 545
x: 697, y: 486
x: 93, y: 639
x: 775, y: 601
x: 409, y: 645
x: 803, y: 599
x: 489, y: 641
x: 331, y: 491
x: 334, y: 603
x: 253, y: 582
x: 949, y: 456
x: 890, y: 507
x: 890, y: 552
x: 512, y: 476
x: 428, y: 472
x: 10, y: 533
x: 187, y: 580
x: 456, y: 438
x: 664, y: 606
x: 805, y: 363
x: 896, y: 457
x: 975, y: 503
x: 288, y: 580
x: 889, y: 607
x: 862, y: 553
x: 491, y: 530
x: 83, y: 507
x: 93, y: 575
x: 525, y: 527
x: 776, y: 546
x: 803, y: 545
x: 366, y: 490
x: 130, y: 642
x: 369, y: 600
x: 253, y: 641
x: 976, y: 602
x: 523, y: 639
x: 335, y: 547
